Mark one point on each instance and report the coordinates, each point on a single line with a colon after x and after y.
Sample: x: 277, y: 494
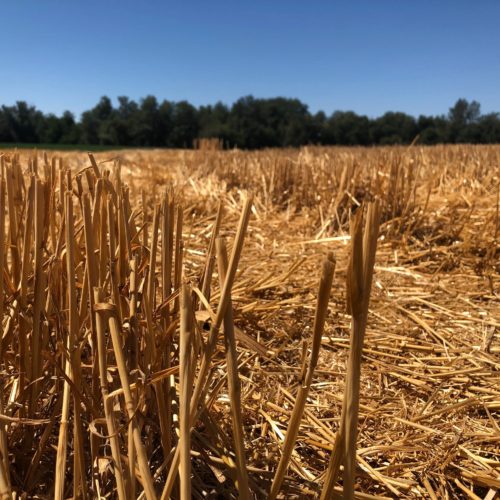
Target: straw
x: 305, y: 384
x: 402, y: 402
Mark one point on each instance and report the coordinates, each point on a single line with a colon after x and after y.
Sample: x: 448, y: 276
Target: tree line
x: 250, y: 123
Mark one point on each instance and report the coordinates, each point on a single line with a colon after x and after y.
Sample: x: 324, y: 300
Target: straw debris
x: 170, y: 328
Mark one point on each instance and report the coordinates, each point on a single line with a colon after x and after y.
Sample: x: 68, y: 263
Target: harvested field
x: 116, y: 339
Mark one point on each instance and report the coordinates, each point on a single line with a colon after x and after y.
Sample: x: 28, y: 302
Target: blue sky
x: 370, y: 56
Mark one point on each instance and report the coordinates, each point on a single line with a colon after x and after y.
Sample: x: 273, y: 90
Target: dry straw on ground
x: 164, y: 334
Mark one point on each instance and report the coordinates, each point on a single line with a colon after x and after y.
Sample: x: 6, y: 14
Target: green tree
x: 165, y: 123
x: 146, y: 122
x: 463, y: 117
x: 6, y: 124
x: 394, y: 128
x: 432, y: 129
x: 348, y: 128
x: 185, y: 125
x: 121, y: 121
x: 490, y: 128
x: 95, y: 126
x: 249, y: 123
x: 213, y: 122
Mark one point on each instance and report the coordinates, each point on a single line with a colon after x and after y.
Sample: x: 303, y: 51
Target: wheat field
x: 313, y: 323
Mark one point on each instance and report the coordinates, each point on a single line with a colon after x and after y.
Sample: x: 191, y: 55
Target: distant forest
x: 250, y: 123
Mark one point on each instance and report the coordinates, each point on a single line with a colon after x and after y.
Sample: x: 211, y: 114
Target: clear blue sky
x: 370, y: 56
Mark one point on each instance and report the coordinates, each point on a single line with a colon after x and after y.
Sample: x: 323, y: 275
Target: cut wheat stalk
x: 113, y: 268
x: 2, y: 245
x: 108, y: 403
x: 185, y: 381
x: 161, y: 400
x: 166, y: 387
x: 361, y: 272
x: 123, y: 240
x: 13, y: 223
x: 5, y: 484
x: 92, y: 277
x: 205, y: 285
x: 233, y: 380
x: 103, y: 241
x: 24, y: 351
x: 131, y: 346
x: 62, y: 443
x: 178, y: 249
x: 203, y: 379
x: 152, y: 258
x: 146, y: 478
x: 359, y: 279
x: 39, y: 290
x: 306, y: 376
x: 35, y: 460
